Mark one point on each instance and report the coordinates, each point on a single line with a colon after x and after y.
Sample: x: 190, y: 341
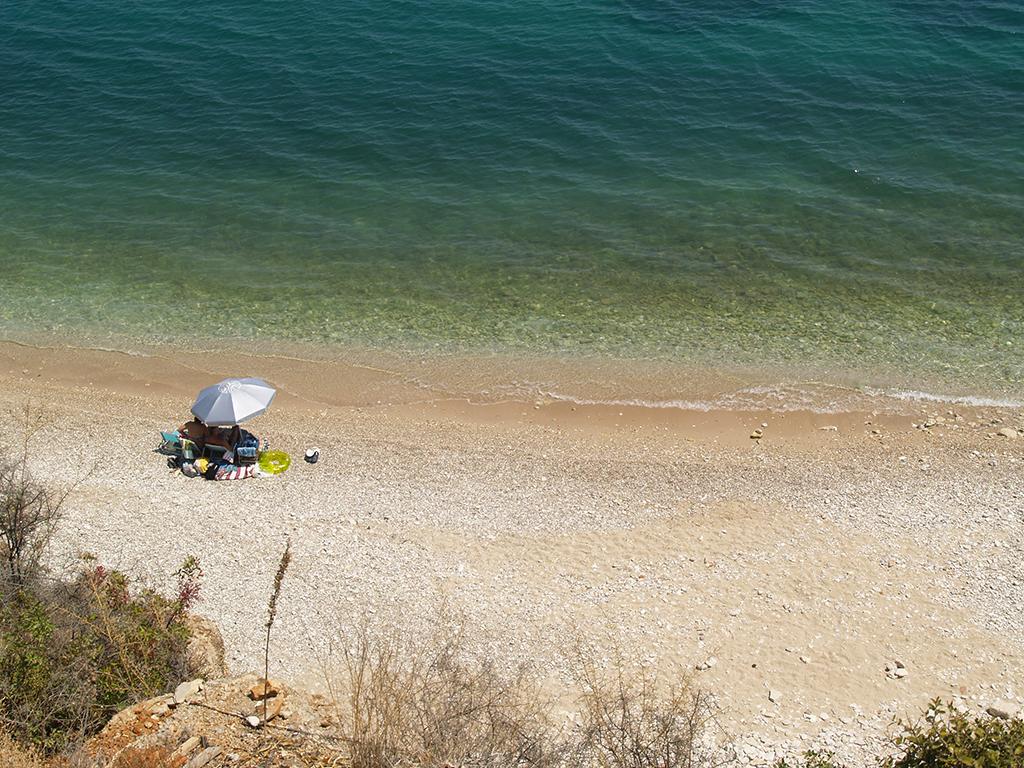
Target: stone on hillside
x: 307, y: 712
x: 205, y: 651
x: 187, y: 690
x: 273, y: 709
x: 204, y: 758
x: 1007, y: 432
x: 264, y: 688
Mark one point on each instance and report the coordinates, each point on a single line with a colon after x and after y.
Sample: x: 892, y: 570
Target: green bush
x: 949, y: 738
x: 944, y: 738
x: 73, y: 653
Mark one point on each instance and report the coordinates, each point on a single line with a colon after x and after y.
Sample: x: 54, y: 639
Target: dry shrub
x: 13, y: 755
x: 28, y: 518
x: 143, y: 757
x: 433, y: 704
x: 812, y: 758
x: 629, y: 720
x: 29, y: 511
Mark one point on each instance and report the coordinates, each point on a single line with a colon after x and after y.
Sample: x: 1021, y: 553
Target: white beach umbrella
x: 233, y: 401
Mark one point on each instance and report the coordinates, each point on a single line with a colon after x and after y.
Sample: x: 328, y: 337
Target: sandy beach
x: 783, y: 573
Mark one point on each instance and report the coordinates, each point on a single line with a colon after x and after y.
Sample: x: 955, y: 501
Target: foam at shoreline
x: 365, y: 377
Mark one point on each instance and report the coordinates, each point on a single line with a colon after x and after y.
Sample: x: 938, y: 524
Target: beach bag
x: 247, y: 450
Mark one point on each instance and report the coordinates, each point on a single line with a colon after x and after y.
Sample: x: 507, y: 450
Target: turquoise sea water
x: 835, y: 184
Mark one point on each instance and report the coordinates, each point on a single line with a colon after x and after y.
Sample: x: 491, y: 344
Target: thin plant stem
x: 282, y: 568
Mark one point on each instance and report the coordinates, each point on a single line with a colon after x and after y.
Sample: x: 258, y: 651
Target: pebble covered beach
x: 821, y: 573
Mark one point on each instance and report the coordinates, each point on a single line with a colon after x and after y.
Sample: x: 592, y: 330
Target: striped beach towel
x: 231, y: 472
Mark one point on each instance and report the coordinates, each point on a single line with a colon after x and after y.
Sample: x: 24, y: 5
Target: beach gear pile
x: 213, y: 445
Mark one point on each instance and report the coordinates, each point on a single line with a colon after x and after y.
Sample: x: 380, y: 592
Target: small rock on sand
x: 1009, y: 432
x: 895, y: 670
x: 1004, y: 710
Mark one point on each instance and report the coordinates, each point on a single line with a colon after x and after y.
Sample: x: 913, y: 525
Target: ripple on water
x: 809, y: 183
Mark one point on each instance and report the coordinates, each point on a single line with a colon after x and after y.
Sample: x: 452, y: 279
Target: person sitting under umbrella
x: 196, y: 431
x: 202, y: 435
x: 219, y: 409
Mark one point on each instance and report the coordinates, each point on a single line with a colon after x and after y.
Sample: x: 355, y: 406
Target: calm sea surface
x: 830, y: 184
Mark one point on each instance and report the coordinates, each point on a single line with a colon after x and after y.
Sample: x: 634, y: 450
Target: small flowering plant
x: 190, y: 579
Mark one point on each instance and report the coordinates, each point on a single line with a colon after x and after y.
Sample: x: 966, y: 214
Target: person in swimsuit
x: 224, y: 437
x: 195, y: 431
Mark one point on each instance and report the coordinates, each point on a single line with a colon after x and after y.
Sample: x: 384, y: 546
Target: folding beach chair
x: 176, y: 444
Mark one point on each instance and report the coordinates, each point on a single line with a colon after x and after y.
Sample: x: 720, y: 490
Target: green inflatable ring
x: 274, y: 462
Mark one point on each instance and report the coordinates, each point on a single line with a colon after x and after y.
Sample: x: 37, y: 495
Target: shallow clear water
x: 835, y: 185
